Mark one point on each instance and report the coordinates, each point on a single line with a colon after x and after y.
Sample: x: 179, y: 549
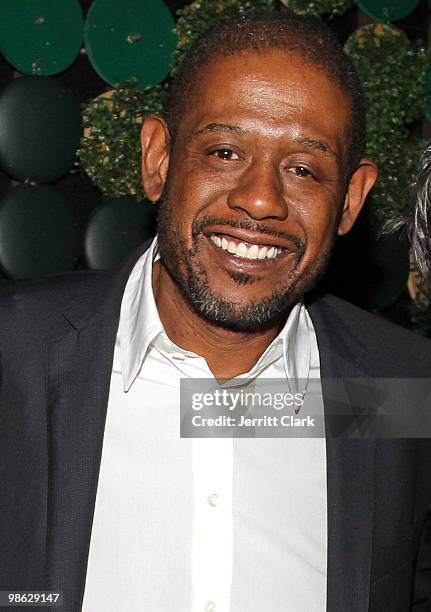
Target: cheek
x: 195, y: 197
x: 198, y: 182
x: 182, y: 212
x: 319, y: 225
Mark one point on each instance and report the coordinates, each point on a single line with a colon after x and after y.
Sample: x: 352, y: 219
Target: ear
x: 361, y: 181
x: 155, y: 145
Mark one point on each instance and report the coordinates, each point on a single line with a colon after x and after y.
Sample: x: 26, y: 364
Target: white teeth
x: 253, y: 252
x: 241, y: 250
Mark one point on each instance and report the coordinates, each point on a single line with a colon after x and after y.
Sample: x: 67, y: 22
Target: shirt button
x: 213, y: 501
x: 209, y: 606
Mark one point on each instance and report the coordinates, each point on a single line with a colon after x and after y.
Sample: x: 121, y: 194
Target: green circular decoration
x: 39, y: 234
x: 369, y: 270
x: 40, y: 129
x: 130, y: 39
x: 117, y: 227
x: 387, y: 10
x: 40, y: 36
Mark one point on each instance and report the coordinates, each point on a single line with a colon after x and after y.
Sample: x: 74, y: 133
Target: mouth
x: 250, y: 248
x: 244, y: 249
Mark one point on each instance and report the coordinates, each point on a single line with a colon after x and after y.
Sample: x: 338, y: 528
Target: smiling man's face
x: 253, y: 189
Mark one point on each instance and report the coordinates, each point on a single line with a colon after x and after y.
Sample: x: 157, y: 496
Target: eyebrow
x: 221, y: 127
x: 312, y: 143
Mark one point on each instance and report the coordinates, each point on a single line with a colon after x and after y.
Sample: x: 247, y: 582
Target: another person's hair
x: 419, y: 225
x: 310, y: 38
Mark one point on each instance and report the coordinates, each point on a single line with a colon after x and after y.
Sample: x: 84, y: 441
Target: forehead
x: 273, y: 88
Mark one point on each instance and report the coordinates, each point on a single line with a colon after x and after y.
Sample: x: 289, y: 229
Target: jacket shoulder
x: 399, y: 349
x: 32, y: 307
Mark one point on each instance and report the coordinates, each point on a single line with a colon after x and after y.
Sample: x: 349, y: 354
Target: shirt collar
x: 140, y: 326
x: 293, y: 344
x: 139, y: 319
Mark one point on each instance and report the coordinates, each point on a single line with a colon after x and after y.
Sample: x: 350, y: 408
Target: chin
x: 240, y: 316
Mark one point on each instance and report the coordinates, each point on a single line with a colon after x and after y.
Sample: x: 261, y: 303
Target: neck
x: 228, y: 352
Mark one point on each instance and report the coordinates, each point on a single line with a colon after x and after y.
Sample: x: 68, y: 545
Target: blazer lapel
x: 350, y: 465
x: 78, y: 390
x: 80, y: 363
x: 78, y: 379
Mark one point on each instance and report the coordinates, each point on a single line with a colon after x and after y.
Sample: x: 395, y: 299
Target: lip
x: 258, y: 266
x: 250, y: 237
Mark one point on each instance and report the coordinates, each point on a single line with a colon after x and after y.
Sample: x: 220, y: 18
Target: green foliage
x: 317, y: 8
x: 197, y: 17
x: 397, y: 158
x: 393, y: 75
x: 110, y: 150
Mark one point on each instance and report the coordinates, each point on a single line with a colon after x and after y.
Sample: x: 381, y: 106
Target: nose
x: 259, y: 193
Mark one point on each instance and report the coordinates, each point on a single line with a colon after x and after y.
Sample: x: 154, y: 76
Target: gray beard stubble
x: 193, y: 282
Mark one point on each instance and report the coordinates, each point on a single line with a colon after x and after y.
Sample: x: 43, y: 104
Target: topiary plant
x: 110, y: 150
x: 393, y: 75
x: 317, y: 8
x: 197, y: 17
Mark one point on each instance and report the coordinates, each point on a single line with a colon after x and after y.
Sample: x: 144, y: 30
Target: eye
x: 225, y: 154
x: 302, y: 171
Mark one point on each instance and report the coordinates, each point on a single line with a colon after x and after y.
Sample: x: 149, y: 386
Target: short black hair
x: 308, y: 37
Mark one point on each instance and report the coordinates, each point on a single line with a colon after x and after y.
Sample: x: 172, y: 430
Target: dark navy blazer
x: 56, y: 347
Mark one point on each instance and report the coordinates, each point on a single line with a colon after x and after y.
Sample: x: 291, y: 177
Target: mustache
x: 246, y: 224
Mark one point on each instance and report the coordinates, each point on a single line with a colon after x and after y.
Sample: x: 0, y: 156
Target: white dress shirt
x: 194, y: 525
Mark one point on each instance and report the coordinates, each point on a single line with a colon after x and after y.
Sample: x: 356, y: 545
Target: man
x: 258, y: 165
